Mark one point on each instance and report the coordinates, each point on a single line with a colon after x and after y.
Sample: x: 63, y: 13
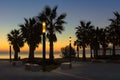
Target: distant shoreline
x: 4, y: 59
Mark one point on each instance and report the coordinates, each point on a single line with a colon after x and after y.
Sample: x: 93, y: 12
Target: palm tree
x: 31, y: 32
x: 82, y: 34
x: 91, y: 41
x: 114, y: 31
x: 16, y: 39
x: 103, y: 39
x: 54, y: 24
x: 94, y: 41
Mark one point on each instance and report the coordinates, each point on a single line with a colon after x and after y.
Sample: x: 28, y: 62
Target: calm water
x: 5, y: 55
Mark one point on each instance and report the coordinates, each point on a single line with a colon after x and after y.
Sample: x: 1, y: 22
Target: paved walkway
x: 93, y: 71
x: 79, y: 71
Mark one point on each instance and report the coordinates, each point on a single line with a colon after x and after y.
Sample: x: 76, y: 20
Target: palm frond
x: 54, y: 12
x: 88, y: 23
x: 62, y: 16
x: 82, y: 23
x: 59, y: 28
x: 47, y: 11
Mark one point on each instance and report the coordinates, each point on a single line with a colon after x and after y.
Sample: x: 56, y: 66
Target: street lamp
x: 43, y: 27
x: 44, y: 44
x: 44, y: 39
x: 70, y: 48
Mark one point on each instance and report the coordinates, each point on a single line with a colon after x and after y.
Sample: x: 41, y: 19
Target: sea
x: 6, y: 55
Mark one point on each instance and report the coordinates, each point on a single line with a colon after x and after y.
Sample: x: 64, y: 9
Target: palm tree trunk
x: 113, y: 53
x: 104, y: 51
x: 91, y: 53
x: 77, y: 51
x: 51, y: 56
x: 95, y: 53
x: 16, y: 55
x: 96, y: 48
x: 84, y: 57
x: 51, y: 51
x: 31, y: 52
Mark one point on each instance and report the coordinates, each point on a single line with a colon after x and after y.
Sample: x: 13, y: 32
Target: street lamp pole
x: 44, y: 39
x: 44, y: 45
x: 10, y: 52
x: 70, y: 48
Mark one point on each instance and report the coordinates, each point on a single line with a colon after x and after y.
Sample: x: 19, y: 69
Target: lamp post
x: 70, y: 48
x: 44, y: 39
x: 10, y: 52
x: 77, y: 51
x: 44, y: 44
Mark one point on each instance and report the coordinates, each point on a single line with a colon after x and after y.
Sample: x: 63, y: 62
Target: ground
x: 79, y: 71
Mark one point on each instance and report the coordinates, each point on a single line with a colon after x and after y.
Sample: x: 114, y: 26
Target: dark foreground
x: 79, y: 71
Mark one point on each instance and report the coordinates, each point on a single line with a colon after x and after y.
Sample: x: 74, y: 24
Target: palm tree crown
x: 54, y: 24
x: 82, y: 34
x: 31, y: 32
x: 114, y: 31
x: 16, y: 40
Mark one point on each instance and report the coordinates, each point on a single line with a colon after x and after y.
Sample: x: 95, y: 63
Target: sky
x: 13, y: 12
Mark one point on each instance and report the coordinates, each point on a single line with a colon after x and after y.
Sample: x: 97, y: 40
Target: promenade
x: 79, y: 71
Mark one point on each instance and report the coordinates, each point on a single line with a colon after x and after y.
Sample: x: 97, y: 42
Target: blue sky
x: 12, y: 13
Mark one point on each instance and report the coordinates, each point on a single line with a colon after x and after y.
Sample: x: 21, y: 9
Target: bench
x: 27, y: 66
x: 32, y: 67
x: 66, y: 65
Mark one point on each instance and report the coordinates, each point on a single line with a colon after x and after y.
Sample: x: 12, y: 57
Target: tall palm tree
x: 103, y: 40
x: 91, y: 41
x: 82, y: 34
x: 16, y: 39
x: 54, y: 24
x: 31, y: 32
x: 94, y: 40
x: 114, y: 31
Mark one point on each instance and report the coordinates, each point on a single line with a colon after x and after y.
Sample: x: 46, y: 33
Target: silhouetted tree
x: 31, y: 32
x: 54, y: 24
x: 16, y: 40
x: 82, y: 34
x: 114, y: 31
x: 95, y: 41
x: 91, y: 39
x: 66, y: 52
x: 103, y: 40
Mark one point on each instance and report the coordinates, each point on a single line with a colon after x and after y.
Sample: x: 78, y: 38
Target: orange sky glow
x: 57, y: 46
